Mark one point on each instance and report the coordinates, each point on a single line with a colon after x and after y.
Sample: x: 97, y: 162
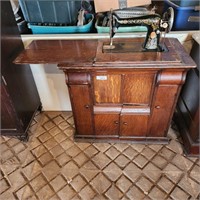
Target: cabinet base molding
x: 132, y: 140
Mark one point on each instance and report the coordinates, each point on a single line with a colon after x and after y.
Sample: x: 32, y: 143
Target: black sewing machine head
x: 154, y: 22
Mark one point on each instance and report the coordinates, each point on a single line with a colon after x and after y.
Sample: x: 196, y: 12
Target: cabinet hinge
x: 4, y: 81
x: 93, y: 63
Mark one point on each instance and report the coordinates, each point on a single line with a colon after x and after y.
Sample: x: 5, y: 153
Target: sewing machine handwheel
x: 169, y: 17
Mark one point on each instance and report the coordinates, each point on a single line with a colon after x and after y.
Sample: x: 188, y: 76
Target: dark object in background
x: 185, y: 17
x: 187, y: 115
x: 19, y: 96
x: 21, y: 23
x: 185, y: 3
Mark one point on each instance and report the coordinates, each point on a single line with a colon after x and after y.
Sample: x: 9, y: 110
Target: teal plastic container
x: 50, y: 11
x: 63, y: 29
x: 102, y: 29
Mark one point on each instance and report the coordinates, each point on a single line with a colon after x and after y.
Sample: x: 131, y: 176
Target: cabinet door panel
x: 134, y: 125
x: 162, y: 112
x: 137, y: 88
x: 107, y: 88
x: 82, y: 109
x: 106, y: 124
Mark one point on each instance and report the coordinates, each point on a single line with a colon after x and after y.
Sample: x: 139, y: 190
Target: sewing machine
x: 140, y: 17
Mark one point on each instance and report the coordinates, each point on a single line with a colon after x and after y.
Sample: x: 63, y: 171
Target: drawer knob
x: 87, y: 106
x: 125, y: 123
x: 157, y: 107
x: 116, y: 122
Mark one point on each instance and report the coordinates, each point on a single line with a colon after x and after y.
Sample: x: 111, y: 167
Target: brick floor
x: 52, y: 166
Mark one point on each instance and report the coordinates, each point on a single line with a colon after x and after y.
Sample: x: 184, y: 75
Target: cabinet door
x: 163, y: 109
x: 107, y: 88
x: 82, y: 109
x: 106, y: 124
x: 137, y: 88
x: 133, y: 125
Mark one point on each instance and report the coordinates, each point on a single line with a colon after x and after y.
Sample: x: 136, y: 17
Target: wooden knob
x: 157, y: 107
x: 116, y: 122
x: 87, y: 106
x: 125, y: 123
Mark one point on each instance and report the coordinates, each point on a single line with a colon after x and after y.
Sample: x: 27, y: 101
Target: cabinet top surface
x: 74, y: 54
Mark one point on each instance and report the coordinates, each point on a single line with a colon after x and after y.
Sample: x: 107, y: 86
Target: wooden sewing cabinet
x: 117, y: 96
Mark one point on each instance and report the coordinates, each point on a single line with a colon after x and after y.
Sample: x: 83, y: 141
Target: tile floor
x: 51, y: 166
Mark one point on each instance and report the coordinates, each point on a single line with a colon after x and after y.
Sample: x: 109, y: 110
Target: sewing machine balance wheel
x: 168, y: 17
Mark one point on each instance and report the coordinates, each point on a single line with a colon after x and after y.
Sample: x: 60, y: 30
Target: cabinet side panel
x: 162, y: 110
x: 8, y: 118
x: 82, y: 109
x: 189, y: 103
x: 138, y: 88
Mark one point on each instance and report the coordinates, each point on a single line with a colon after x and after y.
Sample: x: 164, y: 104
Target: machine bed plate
x: 127, y: 47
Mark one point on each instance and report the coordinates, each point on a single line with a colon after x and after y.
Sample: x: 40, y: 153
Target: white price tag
x: 102, y: 78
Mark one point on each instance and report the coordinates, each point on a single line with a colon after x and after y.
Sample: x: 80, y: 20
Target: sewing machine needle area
x: 127, y: 47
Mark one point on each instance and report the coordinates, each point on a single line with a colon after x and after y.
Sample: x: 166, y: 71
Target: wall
x: 51, y: 82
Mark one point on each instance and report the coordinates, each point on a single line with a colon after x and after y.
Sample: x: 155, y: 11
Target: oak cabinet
x: 123, y: 105
x: 117, y: 96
